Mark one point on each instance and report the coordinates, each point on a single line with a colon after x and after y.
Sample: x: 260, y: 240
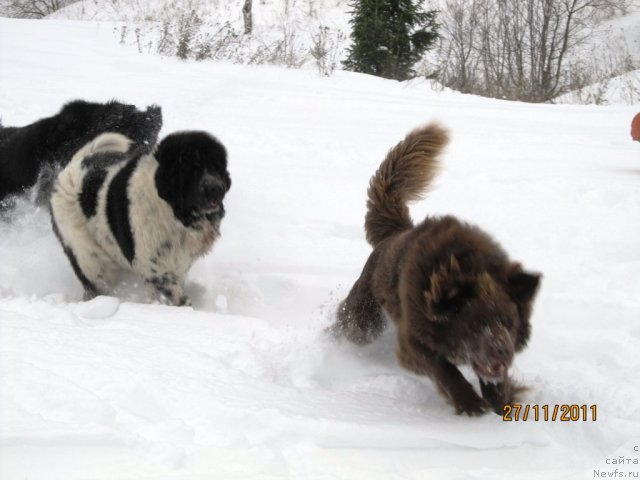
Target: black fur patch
x: 96, y: 171
x: 91, y: 184
x: 105, y: 159
x: 118, y: 210
x: 53, y: 141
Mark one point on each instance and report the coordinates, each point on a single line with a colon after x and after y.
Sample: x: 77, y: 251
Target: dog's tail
x: 404, y: 175
x: 71, y: 177
x: 106, y: 142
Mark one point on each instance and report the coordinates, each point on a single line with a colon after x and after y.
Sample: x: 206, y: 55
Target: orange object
x: 635, y: 128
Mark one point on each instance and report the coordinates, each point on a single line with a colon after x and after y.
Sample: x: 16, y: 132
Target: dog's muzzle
x: 494, y: 353
x: 212, y: 191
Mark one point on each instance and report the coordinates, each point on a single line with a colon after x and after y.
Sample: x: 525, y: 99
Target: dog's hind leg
x: 88, y: 260
x: 360, y: 317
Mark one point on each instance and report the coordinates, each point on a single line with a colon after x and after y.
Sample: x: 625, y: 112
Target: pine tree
x: 389, y: 37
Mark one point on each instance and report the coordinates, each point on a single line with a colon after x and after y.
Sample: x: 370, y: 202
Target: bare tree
x: 35, y: 8
x: 247, y: 15
x: 459, y: 31
x: 515, y: 49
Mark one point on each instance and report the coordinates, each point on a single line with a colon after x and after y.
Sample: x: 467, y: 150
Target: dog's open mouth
x: 213, y: 207
x: 208, y: 210
x: 490, y: 372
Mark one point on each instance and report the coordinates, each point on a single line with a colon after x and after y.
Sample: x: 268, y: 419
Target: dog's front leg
x: 414, y: 356
x: 169, y: 286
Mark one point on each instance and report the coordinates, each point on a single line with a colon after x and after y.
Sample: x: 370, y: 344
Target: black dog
x: 153, y: 214
x: 35, y: 153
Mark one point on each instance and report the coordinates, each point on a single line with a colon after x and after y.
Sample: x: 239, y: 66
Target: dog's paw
x: 471, y: 404
x: 184, y: 301
x: 499, y: 395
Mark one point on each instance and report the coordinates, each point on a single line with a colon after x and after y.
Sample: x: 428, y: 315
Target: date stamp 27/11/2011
x: 549, y: 413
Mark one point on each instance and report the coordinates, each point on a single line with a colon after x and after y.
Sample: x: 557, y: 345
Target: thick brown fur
x: 450, y: 288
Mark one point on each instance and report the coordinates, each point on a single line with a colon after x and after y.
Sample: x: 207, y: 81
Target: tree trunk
x: 247, y: 16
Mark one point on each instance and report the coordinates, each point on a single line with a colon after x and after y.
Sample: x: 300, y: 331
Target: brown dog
x: 452, y: 291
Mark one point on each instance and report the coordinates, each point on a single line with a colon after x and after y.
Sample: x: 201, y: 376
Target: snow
x: 619, y: 90
x: 610, y: 50
x: 621, y: 36
x: 247, y: 384
x: 290, y: 26
x: 265, y: 12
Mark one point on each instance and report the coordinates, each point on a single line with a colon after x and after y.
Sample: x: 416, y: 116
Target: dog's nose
x: 500, y: 349
x: 211, y: 188
x: 500, y: 352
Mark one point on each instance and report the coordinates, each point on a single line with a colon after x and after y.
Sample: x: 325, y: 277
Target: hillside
x: 287, y: 33
x: 621, y: 35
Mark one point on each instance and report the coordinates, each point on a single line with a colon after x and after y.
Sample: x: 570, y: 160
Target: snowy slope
x: 266, y: 12
x: 246, y: 385
x: 270, y: 17
x: 620, y: 90
x: 613, y: 47
x: 311, y: 34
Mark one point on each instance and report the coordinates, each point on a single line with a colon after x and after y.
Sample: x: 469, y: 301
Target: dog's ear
x: 447, y: 291
x: 154, y: 115
x: 522, y: 285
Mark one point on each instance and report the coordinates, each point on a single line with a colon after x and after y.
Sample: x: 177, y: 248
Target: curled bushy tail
x: 103, y: 143
x: 402, y: 177
x: 72, y: 176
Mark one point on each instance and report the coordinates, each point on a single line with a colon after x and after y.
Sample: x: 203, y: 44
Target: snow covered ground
x: 621, y: 90
x: 286, y: 32
x: 615, y: 46
x: 246, y: 384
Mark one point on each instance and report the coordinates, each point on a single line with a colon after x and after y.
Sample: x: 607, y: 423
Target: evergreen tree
x: 389, y: 37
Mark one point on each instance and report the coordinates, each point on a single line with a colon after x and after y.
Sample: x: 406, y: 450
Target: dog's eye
x: 506, y: 321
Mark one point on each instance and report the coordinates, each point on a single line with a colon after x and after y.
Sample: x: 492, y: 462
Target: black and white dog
x: 36, y: 152
x: 154, y: 214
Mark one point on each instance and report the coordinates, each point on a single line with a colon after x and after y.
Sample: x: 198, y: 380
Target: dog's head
x: 481, y: 318
x: 192, y: 176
